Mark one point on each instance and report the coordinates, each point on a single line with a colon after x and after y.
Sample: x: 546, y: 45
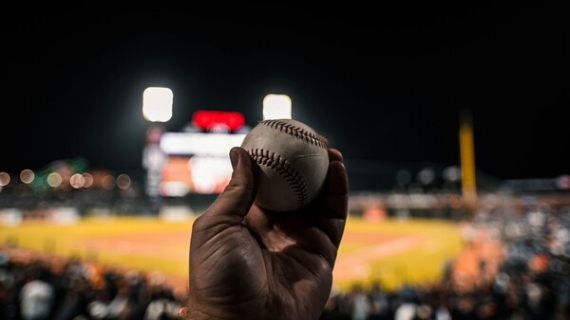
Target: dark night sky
x: 386, y: 93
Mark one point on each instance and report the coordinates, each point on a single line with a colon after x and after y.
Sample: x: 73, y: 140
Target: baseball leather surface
x: 294, y: 162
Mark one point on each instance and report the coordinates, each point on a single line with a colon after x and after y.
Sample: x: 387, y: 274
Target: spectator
x: 360, y: 306
x: 379, y: 302
x: 37, y: 296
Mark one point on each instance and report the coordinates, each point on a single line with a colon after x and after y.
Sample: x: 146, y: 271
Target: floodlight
x: 276, y: 106
x: 157, y: 104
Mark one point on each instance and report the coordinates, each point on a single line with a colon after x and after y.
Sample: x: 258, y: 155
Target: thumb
x: 238, y: 196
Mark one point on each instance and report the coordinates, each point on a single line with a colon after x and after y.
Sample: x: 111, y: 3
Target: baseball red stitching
x: 286, y: 170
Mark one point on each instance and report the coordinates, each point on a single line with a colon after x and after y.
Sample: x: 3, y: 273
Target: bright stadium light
x: 157, y: 104
x: 276, y: 106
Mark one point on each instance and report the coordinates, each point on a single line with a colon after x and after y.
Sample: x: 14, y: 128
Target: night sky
x: 387, y: 93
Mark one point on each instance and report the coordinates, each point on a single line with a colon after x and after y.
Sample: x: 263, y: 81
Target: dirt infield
x: 353, y: 266
x: 349, y: 267
x: 476, y: 264
x: 164, y: 246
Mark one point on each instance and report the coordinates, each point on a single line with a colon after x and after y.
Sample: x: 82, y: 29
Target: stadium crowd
x: 38, y: 286
x: 532, y: 282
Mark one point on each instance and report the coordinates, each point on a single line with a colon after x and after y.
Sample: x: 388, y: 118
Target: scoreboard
x: 197, y: 160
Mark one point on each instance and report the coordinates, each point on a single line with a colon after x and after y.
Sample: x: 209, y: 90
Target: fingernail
x: 234, y: 157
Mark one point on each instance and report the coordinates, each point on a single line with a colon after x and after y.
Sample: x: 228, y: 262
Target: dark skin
x: 250, y: 263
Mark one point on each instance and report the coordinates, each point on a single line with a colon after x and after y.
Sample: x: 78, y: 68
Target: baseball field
x: 393, y: 252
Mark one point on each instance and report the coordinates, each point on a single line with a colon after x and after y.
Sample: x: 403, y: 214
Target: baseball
x: 294, y: 162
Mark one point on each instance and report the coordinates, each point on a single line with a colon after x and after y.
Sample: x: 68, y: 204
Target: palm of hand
x: 267, y: 260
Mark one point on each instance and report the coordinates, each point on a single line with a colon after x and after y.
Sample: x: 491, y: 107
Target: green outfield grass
x: 392, y: 252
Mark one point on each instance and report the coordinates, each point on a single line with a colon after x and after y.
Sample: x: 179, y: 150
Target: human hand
x: 250, y: 263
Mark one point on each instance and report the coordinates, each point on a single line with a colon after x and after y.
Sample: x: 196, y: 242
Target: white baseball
x: 294, y: 162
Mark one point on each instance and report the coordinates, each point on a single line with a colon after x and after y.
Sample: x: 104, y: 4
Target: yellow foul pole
x: 467, y: 154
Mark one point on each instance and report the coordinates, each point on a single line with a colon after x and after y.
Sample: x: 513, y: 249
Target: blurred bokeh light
x: 27, y: 176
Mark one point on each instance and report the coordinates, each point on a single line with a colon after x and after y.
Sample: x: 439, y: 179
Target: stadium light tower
x: 276, y: 106
x: 157, y: 104
x: 157, y: 107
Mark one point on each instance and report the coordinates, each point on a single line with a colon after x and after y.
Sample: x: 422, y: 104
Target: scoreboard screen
x: 196, y: 162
